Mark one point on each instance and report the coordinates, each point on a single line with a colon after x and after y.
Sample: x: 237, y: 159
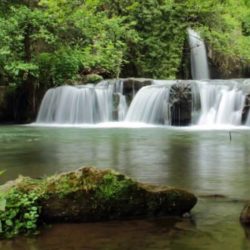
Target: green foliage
x: 92, y: 38
x: 55, y: 42
x: 113, y: 186
x: 157, y: 50
x: 161, y: 27
x: 224, y: 25
x: 73, y: 38
x: 19, y: 213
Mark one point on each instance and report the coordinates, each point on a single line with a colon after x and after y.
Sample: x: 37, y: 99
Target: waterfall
x: 214, y: 102
x: 77, y: 105
x: 248, y: 119
x: 196, y: 103
x: 150, y: 105
x: 122, y: 107
x: 199, y: 64
x: 221, y: 102
x: 104, y: 93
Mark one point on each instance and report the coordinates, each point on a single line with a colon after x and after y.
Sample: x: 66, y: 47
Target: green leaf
x: 9, y: 222
x: 2, y: 203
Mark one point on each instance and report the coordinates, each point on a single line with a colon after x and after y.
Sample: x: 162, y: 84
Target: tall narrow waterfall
x: 199, y: 63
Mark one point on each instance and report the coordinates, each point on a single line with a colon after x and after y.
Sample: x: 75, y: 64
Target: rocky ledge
x: 90, y: 194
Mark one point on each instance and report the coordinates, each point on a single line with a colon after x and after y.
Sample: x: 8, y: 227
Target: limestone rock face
x: 90, y: 194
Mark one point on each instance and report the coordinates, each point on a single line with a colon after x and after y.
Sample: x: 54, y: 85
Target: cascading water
x: 77, y: 105
x: 199, y: 63
x: 220, y: 104
x: 150, y: 105
x: 91, y: 104
x: 214, y: 102
x: 122, y: 107
x: 104, y: 92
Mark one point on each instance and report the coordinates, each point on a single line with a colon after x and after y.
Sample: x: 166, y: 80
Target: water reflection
x: 180, y: 155
x: 135, y: 234
x: 246, y: 242
x: 205, y: 161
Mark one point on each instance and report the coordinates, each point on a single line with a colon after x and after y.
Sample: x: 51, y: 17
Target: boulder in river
x: 88, y: 195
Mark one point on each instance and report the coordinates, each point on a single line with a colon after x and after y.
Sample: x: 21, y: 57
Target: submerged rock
x: 90, y: 194
x: 245, y: 215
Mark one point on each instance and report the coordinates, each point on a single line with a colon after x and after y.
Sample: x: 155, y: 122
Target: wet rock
x: 132, y: 85
x: 180, y: 100
x: 246, y: 109
x: 245, y: 215
x: 90, y: 194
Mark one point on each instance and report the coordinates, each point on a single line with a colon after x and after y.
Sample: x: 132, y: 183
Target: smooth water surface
x: 204, y: 162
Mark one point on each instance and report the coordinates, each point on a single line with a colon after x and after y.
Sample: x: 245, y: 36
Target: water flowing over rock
x: 122, y: 107
x: 150, y: 105
x: 85, y: 104
x: 159, y: 102
x: 221, y: 102
x: 199, y: 63
x: 198, y: 102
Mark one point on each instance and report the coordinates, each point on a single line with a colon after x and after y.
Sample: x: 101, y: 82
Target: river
x: 205, y: 162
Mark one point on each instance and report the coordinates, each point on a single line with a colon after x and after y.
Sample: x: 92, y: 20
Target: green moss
x: 113, y: 186
x: 93, y: 78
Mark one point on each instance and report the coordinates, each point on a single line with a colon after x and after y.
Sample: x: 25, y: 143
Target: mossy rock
x: 90, y: 194
x: 93, y: 78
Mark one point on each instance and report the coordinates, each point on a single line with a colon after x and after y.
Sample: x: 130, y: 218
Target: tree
x: 48, y: 43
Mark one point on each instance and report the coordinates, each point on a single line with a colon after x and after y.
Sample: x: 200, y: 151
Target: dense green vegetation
x: 19, y: 213
x: 45, y: 43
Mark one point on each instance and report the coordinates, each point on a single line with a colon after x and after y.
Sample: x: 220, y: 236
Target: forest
x: 46, y: 43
